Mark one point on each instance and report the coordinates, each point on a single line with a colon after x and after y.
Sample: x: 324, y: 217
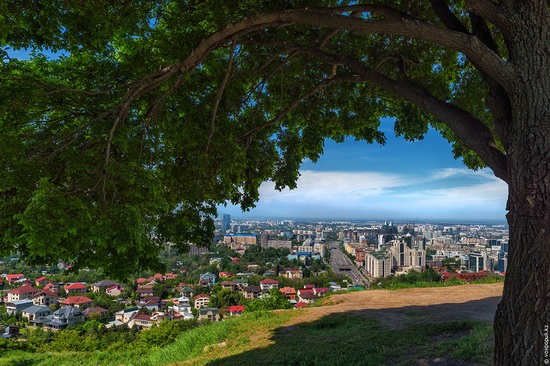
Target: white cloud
x: 323, y: 186
x: 333, y: 194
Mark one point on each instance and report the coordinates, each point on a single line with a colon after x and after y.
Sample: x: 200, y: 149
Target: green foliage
x: 275, y: 300
x: 115, y: 147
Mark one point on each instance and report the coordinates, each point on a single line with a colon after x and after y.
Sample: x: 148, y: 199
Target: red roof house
x: 77, y: 301
x: 77, y: 287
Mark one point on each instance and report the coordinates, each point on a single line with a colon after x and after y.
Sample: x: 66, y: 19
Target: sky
x: 400, y: 180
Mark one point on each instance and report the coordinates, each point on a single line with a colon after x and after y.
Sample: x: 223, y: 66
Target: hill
x: 420, y: 326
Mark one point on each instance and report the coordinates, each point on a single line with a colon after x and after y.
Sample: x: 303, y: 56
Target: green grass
x: 261, y: 338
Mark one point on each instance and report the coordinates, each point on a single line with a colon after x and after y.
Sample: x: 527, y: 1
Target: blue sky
x: 400, y: 180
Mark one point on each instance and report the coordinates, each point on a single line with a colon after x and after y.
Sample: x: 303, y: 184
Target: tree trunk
x: 523, y: 315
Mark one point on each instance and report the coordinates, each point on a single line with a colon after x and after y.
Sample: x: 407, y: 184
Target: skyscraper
x: 226, y: 222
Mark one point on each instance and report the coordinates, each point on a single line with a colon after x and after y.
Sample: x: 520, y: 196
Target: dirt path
x: 400, y: 308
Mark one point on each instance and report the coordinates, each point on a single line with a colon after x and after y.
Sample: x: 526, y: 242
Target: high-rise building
x: 226, y: 222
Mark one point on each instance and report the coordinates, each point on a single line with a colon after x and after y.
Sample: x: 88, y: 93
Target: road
x: 341, y: 264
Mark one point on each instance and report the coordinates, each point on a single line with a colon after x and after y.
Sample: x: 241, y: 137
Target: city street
x: 342, y: 264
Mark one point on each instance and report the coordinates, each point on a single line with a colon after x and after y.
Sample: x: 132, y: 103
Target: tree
x: 153, y: 118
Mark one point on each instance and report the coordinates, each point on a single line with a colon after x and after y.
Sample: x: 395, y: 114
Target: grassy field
x: 263, y: 338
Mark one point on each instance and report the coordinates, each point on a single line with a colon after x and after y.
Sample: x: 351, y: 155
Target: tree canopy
x: 161, y: 110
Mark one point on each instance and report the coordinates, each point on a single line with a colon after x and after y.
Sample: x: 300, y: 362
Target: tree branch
x: 489, y: 11
x: 320, y: 86
x: 219, y: 97
x: 472, y: 132
x: 447, y: 17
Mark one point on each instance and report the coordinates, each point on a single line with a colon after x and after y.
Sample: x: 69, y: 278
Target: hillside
x: 398, y: 315
x: 420, y: 326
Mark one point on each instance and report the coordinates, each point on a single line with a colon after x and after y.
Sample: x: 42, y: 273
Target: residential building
x: 252, y: 292
x: 142, y: 321
x: 211, y: 314
x: 41, y: 281
x: 35, y: 312
x: 279, y: 244
x: 378, y: 264
x: 201, y: 301
x: 46, y: 298
x: 240, y: 239
x: 95, y: 311
x: 292, y: 273
x: 17, y: 306
x: 234, y: 310
x: 77, y: 301
x: 268, y: 284
x: 22, y: 292
x: 103, y: 285
x: 208, y: 276
x: 125, y: 315
x: 115, y: 290
x: 15, y: 278
x: 289, y: 292
x: 230, y: 285
x: 145, y: 290
x: 75, y: 288
x: 62, y: 318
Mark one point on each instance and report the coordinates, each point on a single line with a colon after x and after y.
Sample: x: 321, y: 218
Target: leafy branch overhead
x: 157, y: 112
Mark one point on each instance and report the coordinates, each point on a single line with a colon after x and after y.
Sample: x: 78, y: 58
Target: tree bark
x: 523, y: 316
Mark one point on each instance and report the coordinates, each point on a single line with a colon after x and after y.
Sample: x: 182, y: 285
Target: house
x: 301, y: 305
x: 201, y: 301
x: 145, y: 290
x: 53, y: 287
x: 22, y: 292
x: 268, y: 284
x: 235, y: 310
x: 11, y: 331
x: 156, y: 278
x: 15, y: 278
x: 226, y: 274
x: 41, y: 281
x: 320, y: 291
x: 142, y: 321
x: 115, y: 290
x: 306, y: 295
x: 269, y: 273
x: 77, y: 301
x: 185, y: 290
x: 45, y: 297
x: 125, y: 315
x: 141, y: 281
x: 230, y: 285
x: 17, y: 306
x: 182, y: 305
x: 292, y: 273
x: 62, y: 318
x: 252, y: 292
x: 170, y: 276
x: 149, y: 302
x: 103, y: 285
x: 75, y: 288
x: 241, y: 282
x: 95, y: 312
x: 211, y: 314
x: 36, y: 312
x: 210, y: 277
x: 289, y: 293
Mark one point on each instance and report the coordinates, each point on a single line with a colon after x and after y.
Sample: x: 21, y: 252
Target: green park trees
x: 160, y: 110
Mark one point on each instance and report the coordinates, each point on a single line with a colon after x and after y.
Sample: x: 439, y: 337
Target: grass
x: 262, y: 338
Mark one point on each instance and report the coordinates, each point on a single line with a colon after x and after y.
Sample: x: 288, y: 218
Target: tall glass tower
x: 226, y: 222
